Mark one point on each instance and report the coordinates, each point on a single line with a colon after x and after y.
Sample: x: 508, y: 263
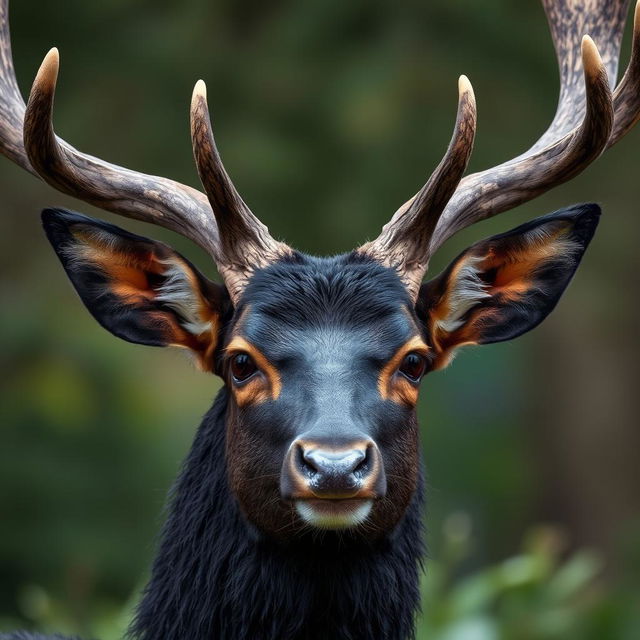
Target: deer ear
x: 506, y: 285
x: 140, y: 290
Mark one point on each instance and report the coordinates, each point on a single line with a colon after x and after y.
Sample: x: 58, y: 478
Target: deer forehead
x: 325, y: 310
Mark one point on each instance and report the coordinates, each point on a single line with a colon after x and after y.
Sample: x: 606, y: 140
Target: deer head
x: 322, y: 358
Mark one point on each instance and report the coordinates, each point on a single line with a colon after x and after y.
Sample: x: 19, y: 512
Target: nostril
x: 305, y: 462
x: 363, y: 466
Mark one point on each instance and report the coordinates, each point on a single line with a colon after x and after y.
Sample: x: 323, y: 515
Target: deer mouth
x: 334, y: 513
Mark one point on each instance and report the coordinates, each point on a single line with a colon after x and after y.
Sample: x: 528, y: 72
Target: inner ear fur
x: 139, y: 289
x: 503, y: 286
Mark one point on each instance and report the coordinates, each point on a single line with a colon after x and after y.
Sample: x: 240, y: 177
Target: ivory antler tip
x: 200, y: 90
x: 464, y: 86
x: 48, y: 71
x: 590, y: 55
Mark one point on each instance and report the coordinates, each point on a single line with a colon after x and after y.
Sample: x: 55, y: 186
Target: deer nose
x: 320, y: 470
x: 334, y: 473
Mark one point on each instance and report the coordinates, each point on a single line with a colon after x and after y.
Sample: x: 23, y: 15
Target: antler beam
x: 626, y: 98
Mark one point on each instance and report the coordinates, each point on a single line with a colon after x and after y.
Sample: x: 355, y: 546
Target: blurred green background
x: 329, y: 114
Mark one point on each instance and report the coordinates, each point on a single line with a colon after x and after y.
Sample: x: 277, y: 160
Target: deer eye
x: 413, y: 366
x: 242, y: 367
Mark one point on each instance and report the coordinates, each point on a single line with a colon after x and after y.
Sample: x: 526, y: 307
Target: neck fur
x: 216, y: 577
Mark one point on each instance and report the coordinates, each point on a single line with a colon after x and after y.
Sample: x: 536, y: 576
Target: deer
x: 297, y: 514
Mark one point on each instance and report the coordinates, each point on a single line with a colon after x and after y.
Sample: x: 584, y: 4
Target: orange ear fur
x: 504, y: 286
x: 139, y: 289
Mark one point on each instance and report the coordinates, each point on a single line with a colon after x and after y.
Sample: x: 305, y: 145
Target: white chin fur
x: 338, y: 518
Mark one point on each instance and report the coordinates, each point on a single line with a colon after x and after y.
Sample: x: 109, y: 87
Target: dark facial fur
x: 217, y: 576
x: 328, y: 327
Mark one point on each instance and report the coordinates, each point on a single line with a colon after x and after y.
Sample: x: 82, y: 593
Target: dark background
x: 329, y: 114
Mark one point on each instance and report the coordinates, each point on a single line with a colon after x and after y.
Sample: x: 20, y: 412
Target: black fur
x: 217, y: 577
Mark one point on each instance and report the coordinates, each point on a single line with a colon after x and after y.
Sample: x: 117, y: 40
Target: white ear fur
x: 467, y: 289
x: 178, y: 293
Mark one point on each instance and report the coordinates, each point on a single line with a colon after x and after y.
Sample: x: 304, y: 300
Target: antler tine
x: 245, y: 242
x: 564, y: 150
x: 403, y: 239
x: 135, y: 195
x: 485, y: 194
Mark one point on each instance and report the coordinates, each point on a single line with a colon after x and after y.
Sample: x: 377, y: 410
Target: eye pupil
x: 242, y: 366
x: 413, y: 366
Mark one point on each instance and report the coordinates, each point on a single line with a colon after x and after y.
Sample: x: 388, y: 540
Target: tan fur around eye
x: 395, y: 387
x: 261, y: 388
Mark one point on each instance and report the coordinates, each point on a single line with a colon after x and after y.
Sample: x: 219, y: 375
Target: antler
x: 402, y: 241
x: 587, y: 121
x: 27, y: 137
x: 245, y: 241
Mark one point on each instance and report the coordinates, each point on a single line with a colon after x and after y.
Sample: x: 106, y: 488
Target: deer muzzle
x: 333, y: 486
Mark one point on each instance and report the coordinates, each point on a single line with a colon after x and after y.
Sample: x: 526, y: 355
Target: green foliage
x: 539, y: 594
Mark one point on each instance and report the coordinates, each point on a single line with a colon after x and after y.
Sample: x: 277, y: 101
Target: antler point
x: 464, y: 86
x: 198, y: 97
x: 200, y: 89
x: 591, y: 59
x: 48, y: 71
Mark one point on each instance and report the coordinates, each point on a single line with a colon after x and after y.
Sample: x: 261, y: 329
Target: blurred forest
x: 329, y: 114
